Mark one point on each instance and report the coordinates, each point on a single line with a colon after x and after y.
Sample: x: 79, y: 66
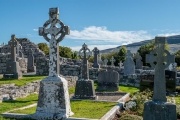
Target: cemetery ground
x: 83, y: 108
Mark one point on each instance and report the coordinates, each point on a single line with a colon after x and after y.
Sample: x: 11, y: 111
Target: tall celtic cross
x: 13, y: 43
x: 112, y: 61
x: 160, y: 59
x: 84, y: 54
x: 96, y: 52
x: 57, y: 35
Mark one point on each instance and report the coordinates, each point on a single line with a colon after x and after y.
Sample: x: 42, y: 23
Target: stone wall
x: 11, y: 92
x: 5, y: 57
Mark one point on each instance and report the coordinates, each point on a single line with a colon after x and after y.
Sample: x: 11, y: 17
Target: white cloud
x: 169, y: 34
x: 35, y: 29
x: 102, y: 33
x: 91, y: 47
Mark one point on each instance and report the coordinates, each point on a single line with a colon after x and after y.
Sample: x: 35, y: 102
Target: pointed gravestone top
x: 13, y: 43
x: 112, y: 61
x: 96, y: 52
x: 84, y: 54
x: 57, y: 35
x: 160, y: 59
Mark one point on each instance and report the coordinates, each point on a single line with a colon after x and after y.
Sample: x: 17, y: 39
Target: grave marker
x: 112, y: 61
x: 84, y: 87
x: 139, y: 63
x: 31, y: 67
x: 96, y: 52
x: 158, y: 108
x: 53, y: 101
x: 105, y: 61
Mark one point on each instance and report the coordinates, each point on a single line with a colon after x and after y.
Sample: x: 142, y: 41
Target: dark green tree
x: 44, y: 47
x: 65, y: 52
x: 120, y: 55
x: 177, y: 57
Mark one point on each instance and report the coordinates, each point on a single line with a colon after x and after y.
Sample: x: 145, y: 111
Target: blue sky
x: 98, y: 23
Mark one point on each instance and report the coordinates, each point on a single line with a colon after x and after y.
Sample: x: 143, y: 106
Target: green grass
x: 72, y: 90
x: 129, y: 89
x: 81, y: 108
x: 23, y: 81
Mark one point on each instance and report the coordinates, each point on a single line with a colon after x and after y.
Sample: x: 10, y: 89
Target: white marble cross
x: 105, y: 61
x: 112, y: 61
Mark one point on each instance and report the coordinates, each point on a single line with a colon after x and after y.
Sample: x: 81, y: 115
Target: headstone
x: 96, y: 52
x: 120, y: 64
x: 129, y: 67
x: 139, y: 63
x: 172, y: 67
x: 100, y: 60
x: 159, y: 108
x: 108, y: 80
x: 12, y: 66
x: 84, y: 86
x: 105, y: 62
x: 53, y: 102
x: 31, y: 67
x: 112, y: 61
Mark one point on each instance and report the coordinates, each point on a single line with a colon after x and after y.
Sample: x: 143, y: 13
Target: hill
x: 173, y: 41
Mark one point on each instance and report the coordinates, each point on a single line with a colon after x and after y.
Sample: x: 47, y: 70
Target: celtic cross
x: 112, y: 61
x: 13, y: 43
x: 57, y: 35
x: 84, y: 51
x: 160, y: 59
x: 105, y: 61
x: 96, y: 52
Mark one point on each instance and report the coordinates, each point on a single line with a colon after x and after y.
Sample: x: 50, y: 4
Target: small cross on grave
x: 54, y: 32
x: 85, y: 52
x: 13, y: 43
x: 120, y: 64
x: 160, y: 59
x: 105, y: 61
x: 96, y: 52
x: 112, y: 61
x: 139, y: 63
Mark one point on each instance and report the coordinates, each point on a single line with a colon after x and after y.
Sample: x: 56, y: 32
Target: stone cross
x: 96, y: 52
x: 99, y: 60
x: 13, y: 43
x: 160, y: 59
x: 120, y: 64
x: 57, y: 35
x: 112, y: 61
x: 139, y: 63
x: 105, y: 61
x: 86, y: 55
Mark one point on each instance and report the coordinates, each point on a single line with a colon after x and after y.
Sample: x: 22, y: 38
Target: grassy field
x: 81, y: 108
x: 23, y: 81
x: 128, y: 89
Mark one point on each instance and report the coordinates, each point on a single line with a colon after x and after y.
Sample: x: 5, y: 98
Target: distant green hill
x: 173, y: 41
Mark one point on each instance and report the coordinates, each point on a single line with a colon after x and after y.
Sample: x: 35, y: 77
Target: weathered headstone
x: 31, y: 67
x: 84, y: 86
x: 139, y: 63
x: 159, y: 108
x: 120, y: 64
x: 108, y: 80
x: 105, y: 62
x: 12, y: 66
x: 53, y: 101
x: 96, y: 52
x: 129, y: 67
x: 112, y: 61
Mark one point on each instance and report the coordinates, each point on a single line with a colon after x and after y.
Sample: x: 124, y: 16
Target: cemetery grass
x: 23, y: 81
x: 81, y: 109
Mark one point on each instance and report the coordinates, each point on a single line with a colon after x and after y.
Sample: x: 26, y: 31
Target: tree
x: 121, y: 55
x: 65, y: 52
x: 177, y: 57
x: 146, y: 49
x: 44, y: 47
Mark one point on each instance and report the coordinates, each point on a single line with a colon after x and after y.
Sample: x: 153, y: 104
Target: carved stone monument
x: 108, y: 80
x: 31, y: 67
x: 105, y: 62
x: 112, y: 61
x: 53, y: 101
x: 129, y: 67
x: 84, y: 86
x: 120, y: 64
x: 12, y: 66
x: 159, y: 108
x: 96, y: 52
x: 139, y: 63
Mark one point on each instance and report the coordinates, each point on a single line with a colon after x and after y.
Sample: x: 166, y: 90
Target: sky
x: 98, y: 23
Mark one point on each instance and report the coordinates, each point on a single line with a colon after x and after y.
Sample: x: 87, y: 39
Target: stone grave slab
x: 129, y: 67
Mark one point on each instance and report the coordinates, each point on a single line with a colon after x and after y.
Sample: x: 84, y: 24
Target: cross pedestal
x: 12, y: 66
x: 84, y: 87
x: 53, y: 101
x: 158, y: 108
